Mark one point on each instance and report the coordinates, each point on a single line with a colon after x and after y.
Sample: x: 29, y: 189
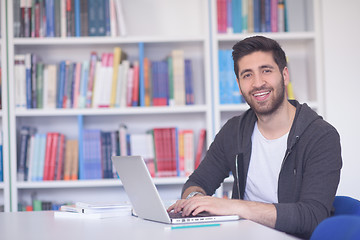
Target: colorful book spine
x: 141, y: 75
x: 77, y: 7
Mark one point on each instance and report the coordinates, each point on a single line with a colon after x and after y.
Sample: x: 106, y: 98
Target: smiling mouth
x: 261, y: 94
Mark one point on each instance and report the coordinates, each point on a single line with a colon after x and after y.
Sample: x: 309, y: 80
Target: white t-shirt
x: 265, y: 163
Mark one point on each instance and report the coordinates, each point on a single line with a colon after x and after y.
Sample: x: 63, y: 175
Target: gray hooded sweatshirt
x: 309, y: 174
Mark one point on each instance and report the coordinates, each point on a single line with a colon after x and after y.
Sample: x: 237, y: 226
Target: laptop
x: 145, y: 198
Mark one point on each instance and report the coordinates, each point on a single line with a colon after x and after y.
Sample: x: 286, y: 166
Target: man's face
x: 261, y: 82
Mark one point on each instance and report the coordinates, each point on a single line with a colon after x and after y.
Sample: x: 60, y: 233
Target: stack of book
x: 168, y: 151
x: 241, y: 16
x: 94, y: 210
x: 103, y: 81
x: 54, y: 18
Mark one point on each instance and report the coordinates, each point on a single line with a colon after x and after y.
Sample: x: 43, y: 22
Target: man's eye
x: 245, y: 76
x: 267, y: 70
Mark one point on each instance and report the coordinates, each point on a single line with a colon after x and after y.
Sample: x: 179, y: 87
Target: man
x: 285, y: 158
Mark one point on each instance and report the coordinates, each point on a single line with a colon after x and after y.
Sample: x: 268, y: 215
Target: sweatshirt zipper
x: 288, y: 151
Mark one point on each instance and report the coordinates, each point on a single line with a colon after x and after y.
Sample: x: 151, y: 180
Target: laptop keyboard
x: 178, y: 215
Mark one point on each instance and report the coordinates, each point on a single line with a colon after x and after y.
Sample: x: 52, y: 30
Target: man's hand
x: 263, y: 213
x: 199, y: 203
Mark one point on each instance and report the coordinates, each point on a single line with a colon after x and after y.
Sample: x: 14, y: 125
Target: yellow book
x: 147, y: 80
x: 290, y: 92
x: 116, y: 63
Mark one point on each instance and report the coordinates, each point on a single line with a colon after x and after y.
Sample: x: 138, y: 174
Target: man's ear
x: 286, y: 76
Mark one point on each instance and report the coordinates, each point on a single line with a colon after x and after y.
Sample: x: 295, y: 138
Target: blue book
x: 101, y: 20
x: 85, y: 166
x: 104, y: 155
x: 229, y: 24
x: 107, y: 18
x: 233, y: 88
x: 61, y: 84
x: 50, y: 18
x: 189, y: 92
x: 257, y: 15
x: 84, y: 84
x: 81, y: 147
x: 21, y: 163
x: 40, y: 172
x: 77, y: 18
x: 223, y: 88
x: 141, y: 75
x: 236, y: 15
x: 154, y: 78
x: 92, y: 154
x: 92, y: 18
x: 28, y: 77
x: 109, y: 169
x: 267, y: 15
x: 35, y: 159
x: 34, y: 61
x: 164, y: 82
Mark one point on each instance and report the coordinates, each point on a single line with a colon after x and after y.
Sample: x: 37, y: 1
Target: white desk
x: 43, y: 225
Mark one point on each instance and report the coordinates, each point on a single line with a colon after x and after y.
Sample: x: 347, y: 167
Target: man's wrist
x: 192, y: 194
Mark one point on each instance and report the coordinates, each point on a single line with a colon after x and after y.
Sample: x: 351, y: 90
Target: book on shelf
x: 228, y: 87
x: 1, y: 158
x: 103, y: 82
x: 238, y: 16
x: 167, y: 151
x: 189, y: 155
x: 178, y: 76
x: 0, y: 88
x: 200, y: 149
x: 68, y: 18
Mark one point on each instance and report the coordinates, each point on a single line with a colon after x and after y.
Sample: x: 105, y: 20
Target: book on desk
x: 93, y: 210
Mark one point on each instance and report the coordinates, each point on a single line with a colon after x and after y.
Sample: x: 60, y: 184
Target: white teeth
x: 261, y: 94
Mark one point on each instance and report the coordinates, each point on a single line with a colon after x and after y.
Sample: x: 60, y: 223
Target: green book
x: 171, y: 81
x: 37, y: 205
x: 39, y: 84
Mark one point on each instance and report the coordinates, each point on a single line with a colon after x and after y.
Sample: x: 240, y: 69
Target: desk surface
x: 43, y: 225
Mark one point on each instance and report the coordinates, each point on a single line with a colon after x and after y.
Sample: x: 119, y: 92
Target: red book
x: 158, y: 151
x: 60, y: 158
x: 172, y: 152
x: 92, y: 68
x: 189, y: 156
x: 221, y: 16
x: 47, y: 156
x: 181, y: 164
x: 135, y: 90
x: 76, y: 92
x: 52, y: 161
x: 29, y: 208
x: 200, y: 147
x: 37, y: 20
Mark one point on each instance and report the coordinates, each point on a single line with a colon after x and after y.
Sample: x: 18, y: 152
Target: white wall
x: 341, y: 42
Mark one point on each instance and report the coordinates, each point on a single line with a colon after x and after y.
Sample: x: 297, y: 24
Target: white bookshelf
x: 4, y: 126
x: 146, y: 25
x: 190, y: 25
x: 304, y: 55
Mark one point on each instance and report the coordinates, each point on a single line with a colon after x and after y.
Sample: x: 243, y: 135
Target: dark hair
x: 258, y: 43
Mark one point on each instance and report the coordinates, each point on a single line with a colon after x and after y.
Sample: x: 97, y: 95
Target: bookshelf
x: 148, y: 35
x: 5, y: 184
x: 145, y: 28
x: 302, y: 46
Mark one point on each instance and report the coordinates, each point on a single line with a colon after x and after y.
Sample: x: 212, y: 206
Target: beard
x: 271, y: 105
